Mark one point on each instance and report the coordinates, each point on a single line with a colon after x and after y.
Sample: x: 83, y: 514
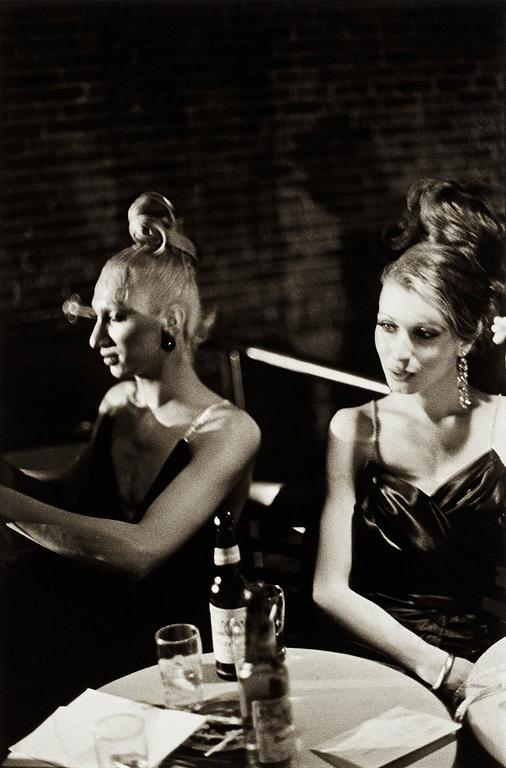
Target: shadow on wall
x: 53, y: 390
x: 338, y: 163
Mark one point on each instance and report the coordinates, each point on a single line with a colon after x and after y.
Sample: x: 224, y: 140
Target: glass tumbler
x: 179, y: 650
x: 276, y: 598
x: 120, y: 742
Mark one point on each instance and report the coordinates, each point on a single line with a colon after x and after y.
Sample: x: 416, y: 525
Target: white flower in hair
x: 499, y: 330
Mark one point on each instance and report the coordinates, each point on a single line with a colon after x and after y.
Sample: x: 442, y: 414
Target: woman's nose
x: 402, y: 347
x: 98, y: 336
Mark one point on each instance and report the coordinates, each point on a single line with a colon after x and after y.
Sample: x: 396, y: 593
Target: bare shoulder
x: 499, y: 426
x: 351, y: 444
x: 353, y: 425
x: 494, y: 405
x: 500, y: 407
x: 116, y: 397
x: 240, y: 421
x: 232, y: 426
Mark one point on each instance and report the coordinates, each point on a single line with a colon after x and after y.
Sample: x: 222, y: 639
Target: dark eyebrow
x: 437, y: 326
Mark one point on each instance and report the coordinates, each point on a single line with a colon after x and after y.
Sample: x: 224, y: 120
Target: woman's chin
x: 118, y: 371
x: 402, y: 387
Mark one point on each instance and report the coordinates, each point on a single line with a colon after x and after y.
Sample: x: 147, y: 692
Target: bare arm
x: 221, y: 458
x: 368, y: 622
x: 36, y: 483
x: 56, y: 485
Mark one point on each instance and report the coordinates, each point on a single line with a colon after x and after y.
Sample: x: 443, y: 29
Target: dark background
x: 285, y: 133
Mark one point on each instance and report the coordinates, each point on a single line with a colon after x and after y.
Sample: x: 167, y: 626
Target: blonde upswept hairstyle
x: 162, y: 260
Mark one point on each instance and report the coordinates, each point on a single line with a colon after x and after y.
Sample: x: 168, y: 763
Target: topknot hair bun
x: 409, y: 229
x: 444, y: 211
x: 453, y: 214
x: 152, y: 223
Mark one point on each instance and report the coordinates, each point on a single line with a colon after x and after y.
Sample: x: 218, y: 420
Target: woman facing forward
x: 98, y: 558
x: 412, y: 528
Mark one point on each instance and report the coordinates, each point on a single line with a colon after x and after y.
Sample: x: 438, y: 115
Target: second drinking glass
x: 179, y: 650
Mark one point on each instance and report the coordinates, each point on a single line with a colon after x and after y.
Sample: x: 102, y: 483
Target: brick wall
x: 285, y: 133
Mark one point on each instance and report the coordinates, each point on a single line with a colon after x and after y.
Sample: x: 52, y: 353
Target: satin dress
x: 429, y: 560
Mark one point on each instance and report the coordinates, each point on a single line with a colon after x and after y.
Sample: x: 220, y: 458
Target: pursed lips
x: 109, y: 357
x: 401, y: 375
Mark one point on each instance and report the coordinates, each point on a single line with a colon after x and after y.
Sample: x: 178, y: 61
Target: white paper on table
x: 380, y: 740
x: 66, y: 737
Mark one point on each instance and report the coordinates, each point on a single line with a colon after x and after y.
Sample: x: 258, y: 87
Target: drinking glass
x: 179, y: 650
x: 276, y: 598
x: 120, y: 742
x: 237, y: 629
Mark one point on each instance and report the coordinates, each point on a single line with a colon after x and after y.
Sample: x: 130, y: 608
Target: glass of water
x: 179, y: 650
x: 120, y: 742
x: 276, y: 599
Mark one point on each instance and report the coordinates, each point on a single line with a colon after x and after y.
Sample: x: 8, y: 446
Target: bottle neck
x: 227, y: 555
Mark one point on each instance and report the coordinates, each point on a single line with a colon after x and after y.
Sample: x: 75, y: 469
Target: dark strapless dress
x: 67, y: 626
x: 430, y: 560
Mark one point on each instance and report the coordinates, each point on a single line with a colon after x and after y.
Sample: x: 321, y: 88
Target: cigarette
x: 231, y: 735
x: 224, y: 719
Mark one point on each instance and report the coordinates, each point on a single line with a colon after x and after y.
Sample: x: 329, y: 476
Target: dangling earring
x: 167, y: 341
x: 462, y: 382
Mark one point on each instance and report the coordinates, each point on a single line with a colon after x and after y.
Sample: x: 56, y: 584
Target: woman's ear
x: 464, y: 348
x: 174, y: 320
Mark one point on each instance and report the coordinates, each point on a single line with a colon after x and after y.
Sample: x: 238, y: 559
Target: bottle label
x: 272, y: 721
x: 225, y: 650
x: 227, y: 555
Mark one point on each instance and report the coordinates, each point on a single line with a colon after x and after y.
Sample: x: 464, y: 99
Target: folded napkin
x: 381, y: 740
x: 66, y: 737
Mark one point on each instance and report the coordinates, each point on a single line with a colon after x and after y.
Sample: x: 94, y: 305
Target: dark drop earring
x: 167, y: 341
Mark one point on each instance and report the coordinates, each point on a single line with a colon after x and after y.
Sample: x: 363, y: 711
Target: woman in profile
x: 412, y: 528
x: 121, y: 544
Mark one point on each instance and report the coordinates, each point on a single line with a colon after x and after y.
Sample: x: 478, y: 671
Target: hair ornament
x: 152, y: 222
x: 499, y: 330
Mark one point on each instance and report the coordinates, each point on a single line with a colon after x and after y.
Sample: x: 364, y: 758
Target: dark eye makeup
x: 427, y: 334
x: 117, y: 317
x: 421, y: 332
x: 386, y: 326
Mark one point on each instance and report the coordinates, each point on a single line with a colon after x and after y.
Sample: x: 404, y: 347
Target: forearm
x: 13, y: 477
x: 372, y: 625
x: 44, y: 486
x: 111, y: 544
x: 93, y: 549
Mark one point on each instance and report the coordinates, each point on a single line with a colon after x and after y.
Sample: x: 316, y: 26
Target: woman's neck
x: 436, y: 405
x: 177, y: 383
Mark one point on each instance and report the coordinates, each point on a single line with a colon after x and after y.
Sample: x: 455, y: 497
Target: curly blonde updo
x: 162, y: 260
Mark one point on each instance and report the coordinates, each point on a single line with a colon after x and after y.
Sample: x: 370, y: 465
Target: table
x: 330, y: 692
x: 487, y: 716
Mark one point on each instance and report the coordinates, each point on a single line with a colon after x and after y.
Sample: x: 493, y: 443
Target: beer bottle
x: 264, y: 693
x: 229, y: 593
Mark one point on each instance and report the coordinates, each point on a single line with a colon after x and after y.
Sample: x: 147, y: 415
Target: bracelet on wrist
x: 444, y: 672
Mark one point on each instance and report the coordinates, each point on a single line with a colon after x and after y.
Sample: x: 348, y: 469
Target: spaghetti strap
x: 375, y: 429
x: 495, y: 420
x: 201, y: 419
